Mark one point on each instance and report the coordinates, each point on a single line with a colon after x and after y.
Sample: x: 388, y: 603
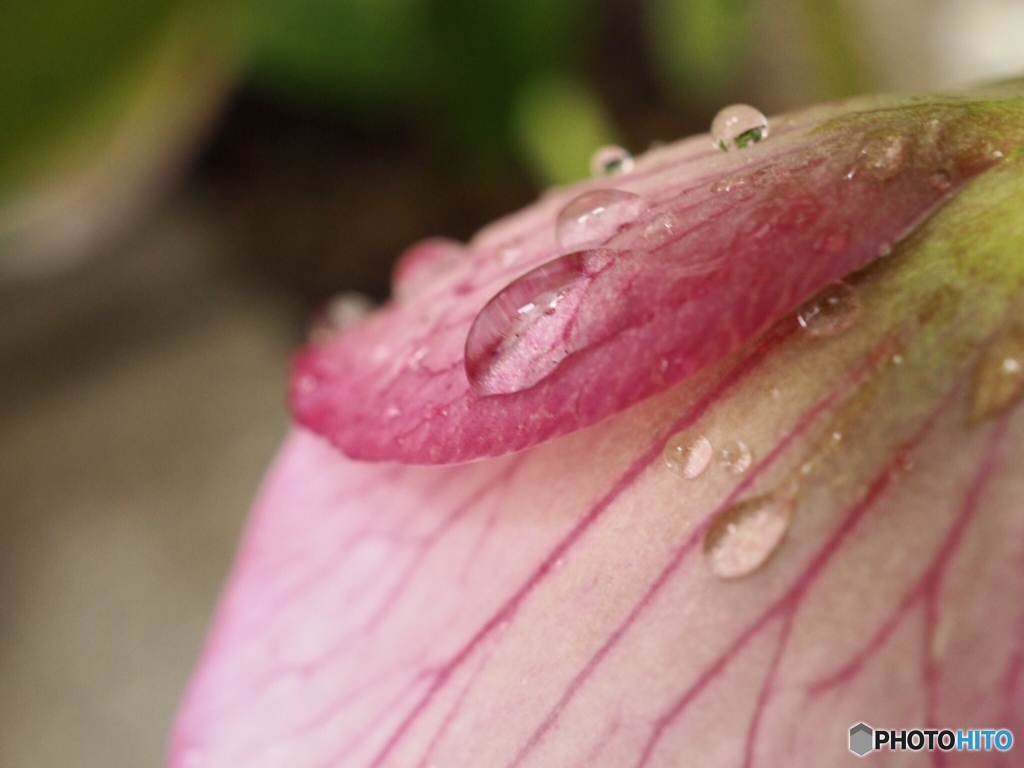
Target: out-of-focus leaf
x: 359, y: 53
x: 839, y: 67
x: 560, y: 122
x: 70, y: 70
x: 100, y: 102
x: 469, y: 60
x: 701, y: 46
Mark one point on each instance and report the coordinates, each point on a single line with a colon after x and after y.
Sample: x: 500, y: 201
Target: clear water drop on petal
x: 689, y: 453
x: 834, y: 242
x: 743, y: 537
x: 832, y: 311
x: 738, y: 126
x: 594, y: 217
x: 525, y: 332
x: 882, y: 157
x: 735, y: 456
x: 999, y: 374
x: 611, y: 161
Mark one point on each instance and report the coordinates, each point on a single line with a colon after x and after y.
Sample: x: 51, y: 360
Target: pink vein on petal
x: 790, y: 600
x: 621, y: 484
x: 850, y: 382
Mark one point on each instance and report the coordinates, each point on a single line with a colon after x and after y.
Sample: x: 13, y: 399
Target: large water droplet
x: 339, y: 313
x: 689, y: 453
x: 610, y: 161
x: 737, y: 126
x: 832, y: 311
x: 593, y: 217
x: 526, y: 330
x: 742, y: 538
x: 735, y: 456
x: 423, y: 263
x: 999, y: 375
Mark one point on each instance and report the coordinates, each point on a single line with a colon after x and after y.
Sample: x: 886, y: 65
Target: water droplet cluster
x: 690, y: 453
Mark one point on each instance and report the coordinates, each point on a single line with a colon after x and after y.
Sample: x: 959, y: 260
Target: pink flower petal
x: 723, y: 246
x: 586, y: 603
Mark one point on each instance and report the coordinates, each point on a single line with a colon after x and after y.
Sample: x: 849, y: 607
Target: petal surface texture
x: 604, y: 294
x: 835, y: 534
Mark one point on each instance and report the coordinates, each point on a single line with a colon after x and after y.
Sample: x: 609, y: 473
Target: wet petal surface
x: 709, y: 250
x: 567, y: 606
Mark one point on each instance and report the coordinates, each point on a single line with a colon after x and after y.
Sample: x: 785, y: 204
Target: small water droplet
x: 510, y: 255
x: 904, y: 463
x: 727, y: 184
x: 881, y: 157
x: 738, y: 126
x: 610, y: 161
x: 193, y: 758
x: 525, y: 332
x: 735, y: 456
x: 940, y: 180
x: 999, y: 375
x: 742, y: 538
x: 342, y: 311
x: 307, y: 383
x: 832, y: 311
x: 834, y: 242
x: 415, y: 360
x: 423, y: 263
x: 594, y: 217
x: 689, y: 453
x: 661, y: 230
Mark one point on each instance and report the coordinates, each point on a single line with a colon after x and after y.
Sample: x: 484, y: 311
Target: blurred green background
x: 182, y: 181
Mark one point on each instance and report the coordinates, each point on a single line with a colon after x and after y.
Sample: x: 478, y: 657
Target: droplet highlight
x: 735, y: 456
x: 831, y: 311
x: 611, y: 161
x: 594, y: 217
x: 743, y: 537
x: 525, y: 332
x: 689, y: 453
x: 999, y: 375
x: 738, y: 126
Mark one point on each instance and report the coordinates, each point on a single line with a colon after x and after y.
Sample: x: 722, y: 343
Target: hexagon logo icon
x: 861, y: 739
